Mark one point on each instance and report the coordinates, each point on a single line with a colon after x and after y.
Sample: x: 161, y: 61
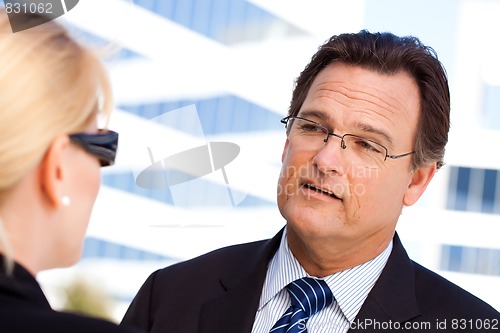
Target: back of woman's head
x: 49, y: 85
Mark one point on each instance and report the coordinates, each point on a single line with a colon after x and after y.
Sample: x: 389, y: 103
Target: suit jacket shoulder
x: 409, y: 294
x: 447, y: 300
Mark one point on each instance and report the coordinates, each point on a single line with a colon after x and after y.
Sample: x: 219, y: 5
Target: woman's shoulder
x: 34, y: 320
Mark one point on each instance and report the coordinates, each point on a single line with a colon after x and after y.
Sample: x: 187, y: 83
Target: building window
x: 475, y: 190
x: 470, y: 260
x: 491, y: 107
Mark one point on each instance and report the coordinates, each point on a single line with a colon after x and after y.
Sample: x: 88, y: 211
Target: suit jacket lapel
x: 235, y: 310
x: 391, y: 299
x: 393, y: 296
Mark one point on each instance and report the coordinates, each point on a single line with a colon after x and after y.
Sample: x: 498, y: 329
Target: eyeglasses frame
x: 102, y: 145
x: 341, y: 137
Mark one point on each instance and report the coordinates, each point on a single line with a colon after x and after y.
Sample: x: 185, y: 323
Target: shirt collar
x: 283, y: 269
x: 349, y: 287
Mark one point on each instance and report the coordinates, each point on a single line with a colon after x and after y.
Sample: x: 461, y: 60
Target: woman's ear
x: 52, y: 170
x: 419, y: 181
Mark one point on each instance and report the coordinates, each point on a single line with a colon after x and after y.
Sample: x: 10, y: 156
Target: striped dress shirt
x: 350, y: 289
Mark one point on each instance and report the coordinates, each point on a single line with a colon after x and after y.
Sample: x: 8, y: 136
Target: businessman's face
x: 350, y: 198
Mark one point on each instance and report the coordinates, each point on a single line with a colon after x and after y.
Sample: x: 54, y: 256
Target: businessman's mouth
x: 324, y: 191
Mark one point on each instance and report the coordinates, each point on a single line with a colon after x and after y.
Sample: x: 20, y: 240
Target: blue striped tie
x: 308, y: 297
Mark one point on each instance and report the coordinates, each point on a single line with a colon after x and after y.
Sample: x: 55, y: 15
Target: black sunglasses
x: 102, y: 145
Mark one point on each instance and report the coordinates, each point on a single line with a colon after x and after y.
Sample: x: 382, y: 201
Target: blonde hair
x: 49, y: 85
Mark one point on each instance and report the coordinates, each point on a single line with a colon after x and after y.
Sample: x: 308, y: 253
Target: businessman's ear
x: 421, y: 177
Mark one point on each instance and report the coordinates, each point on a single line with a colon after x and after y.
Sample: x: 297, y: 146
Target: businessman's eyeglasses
x: 358, y: 150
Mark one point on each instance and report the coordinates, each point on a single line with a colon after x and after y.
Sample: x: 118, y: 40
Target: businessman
x: 365, y: 133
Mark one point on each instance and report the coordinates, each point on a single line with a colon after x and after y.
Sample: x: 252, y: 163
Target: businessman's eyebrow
x: 366, y: 128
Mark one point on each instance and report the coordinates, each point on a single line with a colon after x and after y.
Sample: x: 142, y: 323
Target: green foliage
x: 85, y: 298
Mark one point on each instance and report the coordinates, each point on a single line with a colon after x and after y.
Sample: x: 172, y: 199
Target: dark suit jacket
x: 24, y: 308
x: 220, y: 292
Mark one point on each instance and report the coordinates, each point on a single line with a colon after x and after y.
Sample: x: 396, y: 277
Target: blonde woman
x: 51, y: 150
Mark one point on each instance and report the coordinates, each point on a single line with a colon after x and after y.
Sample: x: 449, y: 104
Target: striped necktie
x: 308, y: 297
